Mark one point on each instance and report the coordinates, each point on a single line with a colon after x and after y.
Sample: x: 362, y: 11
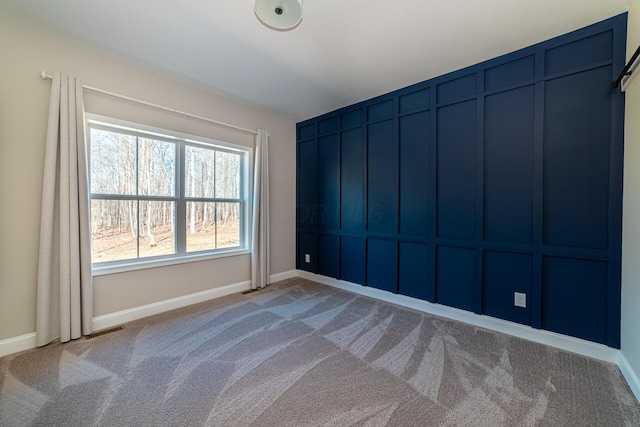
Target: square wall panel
x: 574, y: 297
x: 352, y: 260
x: 504, y: 274
x: 329, y: 255
x: 381, y: 110
x: 455, y: 277
x: 460, y: 88
x: 382, y: 264
x: 416, y: 271
x: 415, y: 101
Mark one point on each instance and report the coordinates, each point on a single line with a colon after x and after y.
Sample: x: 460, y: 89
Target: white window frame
x: 181, y: 140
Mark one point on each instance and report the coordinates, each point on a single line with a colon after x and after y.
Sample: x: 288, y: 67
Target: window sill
x: 154, y: 263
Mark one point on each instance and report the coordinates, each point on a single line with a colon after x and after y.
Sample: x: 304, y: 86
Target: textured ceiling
x: 342, y: 52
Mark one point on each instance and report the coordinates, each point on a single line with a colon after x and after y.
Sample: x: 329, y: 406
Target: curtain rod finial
x: 45, y: 76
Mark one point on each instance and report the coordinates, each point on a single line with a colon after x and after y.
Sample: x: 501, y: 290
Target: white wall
x: 631, y: 211
x: 23, y: 112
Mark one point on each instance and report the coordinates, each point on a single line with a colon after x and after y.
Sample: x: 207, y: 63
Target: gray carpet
x: 304, y: 354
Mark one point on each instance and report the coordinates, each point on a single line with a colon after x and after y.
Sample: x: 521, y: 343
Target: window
x: 157, y: 195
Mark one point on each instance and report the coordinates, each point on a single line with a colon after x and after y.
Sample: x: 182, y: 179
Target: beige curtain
x: 260, y: 229
x: 64, y: 289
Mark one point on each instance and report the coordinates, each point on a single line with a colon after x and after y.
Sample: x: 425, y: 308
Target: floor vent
x: 105, y: 332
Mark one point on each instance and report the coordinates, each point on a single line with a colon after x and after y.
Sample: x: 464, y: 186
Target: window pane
x: 228, y: 221
x: 199, y: 172
x: 156, y: 167
x: 227, y: 175
x: 157, y: 230
x: 113, y: 163
x: 201, y: 227
x: 113, y: 230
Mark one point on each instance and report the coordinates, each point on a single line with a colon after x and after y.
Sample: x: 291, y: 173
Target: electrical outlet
x: 307, y: 258
x: 520, y: 300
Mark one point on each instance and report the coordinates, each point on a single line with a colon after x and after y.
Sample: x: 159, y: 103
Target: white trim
x: 16, y: 344
x: 575, y: 345
x: 143, y: 264
x: 283, y: 276
x: 630, y: 375
x: 120, y: 317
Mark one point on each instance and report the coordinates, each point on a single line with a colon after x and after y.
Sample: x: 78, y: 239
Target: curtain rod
x: 46, y: 76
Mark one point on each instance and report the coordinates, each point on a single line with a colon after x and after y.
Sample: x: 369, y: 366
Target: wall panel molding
x: 502, y: 177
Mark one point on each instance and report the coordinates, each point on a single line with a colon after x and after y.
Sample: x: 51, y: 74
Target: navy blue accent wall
x: 461, y: 190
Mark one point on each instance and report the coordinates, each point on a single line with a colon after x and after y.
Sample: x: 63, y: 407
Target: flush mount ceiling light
x: 279, y: 14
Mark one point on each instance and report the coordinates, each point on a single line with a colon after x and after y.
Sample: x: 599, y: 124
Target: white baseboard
x: 16, y: 344
x: 120, y: 317
x: 28, y: 341
x: 630, y: 375
x: 282, y: 276
x: 564, y: 342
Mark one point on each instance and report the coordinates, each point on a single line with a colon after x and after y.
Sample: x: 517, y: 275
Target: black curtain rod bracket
x: 625, y: 71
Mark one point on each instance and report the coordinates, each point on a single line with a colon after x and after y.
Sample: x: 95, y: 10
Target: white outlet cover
x: 307, y: 258
x: 520, y: 299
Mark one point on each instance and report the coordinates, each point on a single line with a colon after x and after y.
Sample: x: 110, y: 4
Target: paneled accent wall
x: 462, y: 190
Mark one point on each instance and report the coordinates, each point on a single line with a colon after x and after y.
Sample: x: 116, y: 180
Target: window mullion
x: 242, y: 189
x: 181, y: 205
x: 137, y: 192
x: 138, y: 229
x: 215, y: 205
